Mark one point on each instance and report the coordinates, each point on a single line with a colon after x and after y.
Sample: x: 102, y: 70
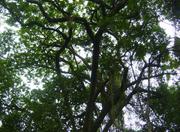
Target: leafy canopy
x: 94, y: 58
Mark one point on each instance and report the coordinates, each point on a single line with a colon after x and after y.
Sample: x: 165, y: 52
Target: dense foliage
x: 93, y: 58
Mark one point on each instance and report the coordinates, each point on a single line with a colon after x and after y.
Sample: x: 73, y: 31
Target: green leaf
x: 132, y: 4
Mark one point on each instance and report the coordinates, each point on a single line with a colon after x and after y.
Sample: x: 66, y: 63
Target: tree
x: 167, y: 109
x: 94, y: 57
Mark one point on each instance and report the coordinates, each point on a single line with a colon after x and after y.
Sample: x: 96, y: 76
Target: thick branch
x: 69, y: 18
x: 108, y: 125
x: 107, y: 108
x: 90, y: 105
x: 57, y: 58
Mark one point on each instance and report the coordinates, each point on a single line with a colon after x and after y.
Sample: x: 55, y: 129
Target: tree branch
x: 95, y: 58
x: 57, y: 58
x: 118, y: 7
x: 39, y: 24
x: 80, y: 57
x: 69, y: 18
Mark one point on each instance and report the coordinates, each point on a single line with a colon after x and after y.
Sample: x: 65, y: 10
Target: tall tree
x: 93, y: 57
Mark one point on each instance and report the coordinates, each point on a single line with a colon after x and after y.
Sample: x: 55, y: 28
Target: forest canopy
x: 96, y: 61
